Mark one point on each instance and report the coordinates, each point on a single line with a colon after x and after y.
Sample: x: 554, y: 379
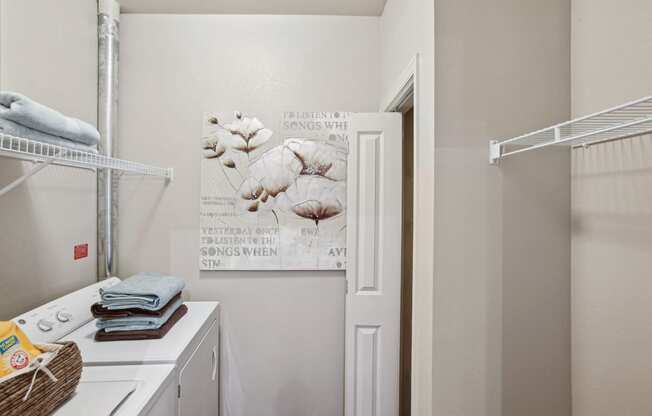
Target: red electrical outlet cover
x: 81, y: 251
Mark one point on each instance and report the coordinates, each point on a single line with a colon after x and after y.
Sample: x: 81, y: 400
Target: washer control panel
x: 56, y: 319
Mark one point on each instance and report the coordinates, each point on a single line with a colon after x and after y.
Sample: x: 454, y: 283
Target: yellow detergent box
x: 16, y: 350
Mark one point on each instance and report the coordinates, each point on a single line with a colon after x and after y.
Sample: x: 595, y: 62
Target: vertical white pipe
x: 107, y: 122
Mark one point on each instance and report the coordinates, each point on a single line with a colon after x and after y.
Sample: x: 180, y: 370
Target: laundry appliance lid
x: 117, y: 390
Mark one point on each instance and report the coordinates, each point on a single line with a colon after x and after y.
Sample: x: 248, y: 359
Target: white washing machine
x: 191, y: 347
x: 124, y: 390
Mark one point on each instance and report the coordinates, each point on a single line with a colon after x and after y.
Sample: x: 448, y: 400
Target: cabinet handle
x: 214, y: 364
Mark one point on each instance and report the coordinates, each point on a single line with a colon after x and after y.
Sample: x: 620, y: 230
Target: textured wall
x: 612, y: 212
x: 283, y: 332
x: 50, y: 54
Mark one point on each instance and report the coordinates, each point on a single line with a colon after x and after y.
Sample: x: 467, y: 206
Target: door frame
x: 405, y: 86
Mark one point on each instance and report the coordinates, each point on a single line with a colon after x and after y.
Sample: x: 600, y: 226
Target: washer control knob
x: 44, y: 325
x: 63, y: 316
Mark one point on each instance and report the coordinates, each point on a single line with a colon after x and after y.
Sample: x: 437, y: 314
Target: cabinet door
x: 199, y: 378
x: 166, y: 405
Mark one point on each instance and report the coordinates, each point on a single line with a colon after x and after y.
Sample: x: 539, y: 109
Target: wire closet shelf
x: 26, y: 149
x: 627, y: 120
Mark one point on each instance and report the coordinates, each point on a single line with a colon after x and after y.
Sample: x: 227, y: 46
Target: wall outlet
x: 81, y: 251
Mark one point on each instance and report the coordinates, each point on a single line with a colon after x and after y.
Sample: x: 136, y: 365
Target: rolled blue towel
x: 149, y: 291
x: 22, y: 110
x: 138, y: 323
x: 20, y: 131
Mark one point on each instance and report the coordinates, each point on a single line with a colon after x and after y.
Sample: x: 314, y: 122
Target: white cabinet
x: 199, y: 378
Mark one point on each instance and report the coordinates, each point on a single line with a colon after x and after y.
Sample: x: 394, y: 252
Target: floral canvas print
x: 273, y: 191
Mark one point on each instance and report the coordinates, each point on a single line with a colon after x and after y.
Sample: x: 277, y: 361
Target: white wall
x: 502, y: 68
x: 612, y: 208
x: 407, y: 29
x: 283, y: 346
x: 50, y: 54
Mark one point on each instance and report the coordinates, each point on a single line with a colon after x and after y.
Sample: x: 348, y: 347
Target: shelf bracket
x: 557, y: 131
x: 495, y: 152
x: 36, y: 169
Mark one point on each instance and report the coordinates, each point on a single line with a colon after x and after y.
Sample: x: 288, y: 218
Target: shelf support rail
x: 36, y: 169
x: 39, y: 166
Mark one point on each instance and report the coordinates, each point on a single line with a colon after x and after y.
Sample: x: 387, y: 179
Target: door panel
x: 373, y: 265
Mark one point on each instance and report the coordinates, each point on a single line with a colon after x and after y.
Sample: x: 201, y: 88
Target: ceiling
x: 315, y: 7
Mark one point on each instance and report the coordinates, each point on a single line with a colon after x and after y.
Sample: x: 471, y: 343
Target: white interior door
x: 373, y: 265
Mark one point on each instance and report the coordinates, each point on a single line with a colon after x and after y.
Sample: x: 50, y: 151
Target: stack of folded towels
x: 24, y: 118
x: 144, y: 306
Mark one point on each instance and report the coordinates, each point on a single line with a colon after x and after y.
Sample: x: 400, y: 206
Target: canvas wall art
x: 273, y: 191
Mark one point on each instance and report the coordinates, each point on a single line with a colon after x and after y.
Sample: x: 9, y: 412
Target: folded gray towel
x: 14, y: 129
x: 22, y: 110
x: 150, y: 291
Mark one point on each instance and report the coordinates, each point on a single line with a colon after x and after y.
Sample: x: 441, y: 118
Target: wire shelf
x: 25, y: 149
x: 627, y: 120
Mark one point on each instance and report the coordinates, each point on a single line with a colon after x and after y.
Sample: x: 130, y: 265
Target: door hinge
x: 179, y: 391
x: 346, y: 284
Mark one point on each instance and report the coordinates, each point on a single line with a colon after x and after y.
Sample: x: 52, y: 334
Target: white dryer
x: 191, y: 347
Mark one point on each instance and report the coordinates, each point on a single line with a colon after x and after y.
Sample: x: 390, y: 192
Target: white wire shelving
x: 48, y: 154
x: 627, y: 120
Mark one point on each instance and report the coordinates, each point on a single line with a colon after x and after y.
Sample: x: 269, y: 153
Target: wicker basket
x: 46, y: 395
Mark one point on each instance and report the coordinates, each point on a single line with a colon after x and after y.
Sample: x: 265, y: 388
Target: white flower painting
x: 273, y: 191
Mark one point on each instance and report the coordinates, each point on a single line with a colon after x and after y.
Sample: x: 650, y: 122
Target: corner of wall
x: 3, y: 38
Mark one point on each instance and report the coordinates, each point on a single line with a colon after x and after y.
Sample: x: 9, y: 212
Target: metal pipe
x: 108, y: 32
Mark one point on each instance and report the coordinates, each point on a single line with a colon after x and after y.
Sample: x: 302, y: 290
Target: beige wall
x: 49, y: 53
x: 612, y: 212
x: 283, y: 332
x: 501, y: 337
x: 536, y: 344
x: 407, y: 29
